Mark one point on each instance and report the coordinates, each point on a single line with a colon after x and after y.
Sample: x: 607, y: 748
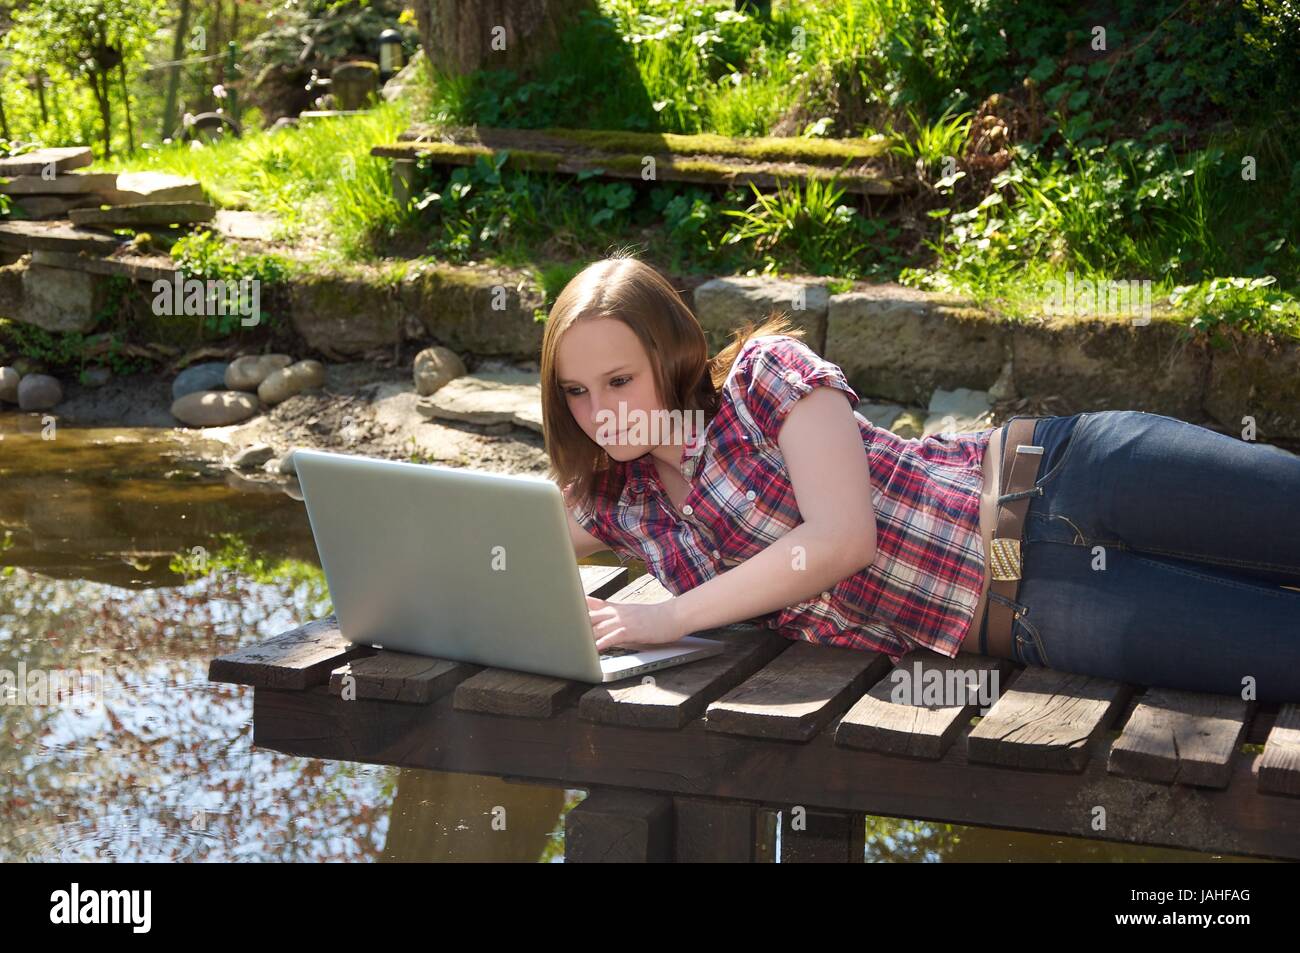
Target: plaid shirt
x: 922, y: 588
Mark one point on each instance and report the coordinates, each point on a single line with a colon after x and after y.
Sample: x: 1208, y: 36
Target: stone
x: 214, y: 408
x: 9, y: 378
x: 408, y: 78
x: 143, y: 214
x: 131, y: 187
x: 909, y: 425
x: 71, y: 183
x: 58, y: 159
x: 39, y: 392
x: 1110, y: 363
x: 354, y: 84
x: 280, y: 385
x: 95, y: 377
x: 476, y: 310
x: 513, y: 397
x: 62, y: 300
x: 247, y: 373
x: 286, y: 464
x: 958, y: 411
x: 434, y: 367
x: 1256, y: 377
x: 57, y: 236
x: 253, y: 457
x: 881, y: 415
x: 11, y: 288
x: 210, y: 375
x: 900, y: 344
x: 343, y: 317
x: 724, y: 304
x: 1004, y: 388
x: 246, y: 225
x: 55, y: 206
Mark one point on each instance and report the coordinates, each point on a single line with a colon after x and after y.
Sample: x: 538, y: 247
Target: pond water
x: 102, y: 534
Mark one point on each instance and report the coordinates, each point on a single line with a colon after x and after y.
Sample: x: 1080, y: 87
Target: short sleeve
x: 779, y: 370
x: 598, y: 520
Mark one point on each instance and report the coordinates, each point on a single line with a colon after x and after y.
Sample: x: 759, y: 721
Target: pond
x: 126, y: 560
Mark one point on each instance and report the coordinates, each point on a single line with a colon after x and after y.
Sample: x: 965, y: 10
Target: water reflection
x: 98, y: 530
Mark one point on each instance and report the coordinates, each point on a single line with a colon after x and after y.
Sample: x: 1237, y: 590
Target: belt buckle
x: 1005, y: 559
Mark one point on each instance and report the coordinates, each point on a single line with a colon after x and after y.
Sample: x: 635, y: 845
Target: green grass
x: 319, y: 179
x: 1094, y: 186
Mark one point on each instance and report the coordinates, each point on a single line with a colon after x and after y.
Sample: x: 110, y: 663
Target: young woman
x: 1151, y: 550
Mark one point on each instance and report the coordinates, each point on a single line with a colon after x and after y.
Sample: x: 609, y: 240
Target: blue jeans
x: 1156, y: 552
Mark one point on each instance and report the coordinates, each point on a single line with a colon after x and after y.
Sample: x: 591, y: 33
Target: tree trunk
x: 460, y: 36
x: 99, y: 83
x: 169, y: 119
x: 126, y: 105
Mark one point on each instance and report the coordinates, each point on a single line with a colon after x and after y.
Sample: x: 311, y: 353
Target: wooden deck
x: 690, y: 763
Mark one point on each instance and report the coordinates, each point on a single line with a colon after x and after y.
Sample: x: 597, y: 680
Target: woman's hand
x: 620, y: 623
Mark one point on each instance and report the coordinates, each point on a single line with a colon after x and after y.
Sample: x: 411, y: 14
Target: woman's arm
x: 584, y: 544
x: 823, y: 451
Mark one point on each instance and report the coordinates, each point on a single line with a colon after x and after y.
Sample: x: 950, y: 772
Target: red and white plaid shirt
x: 925, y: 583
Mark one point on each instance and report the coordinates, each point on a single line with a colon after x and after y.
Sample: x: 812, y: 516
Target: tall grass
x: 318, y: 178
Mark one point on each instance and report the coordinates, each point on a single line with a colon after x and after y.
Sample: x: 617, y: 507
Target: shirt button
x: 717, y: 555
x: 750, y: 494
x: 792, y: 377
x: 826, y: 594
x: 687, y: 509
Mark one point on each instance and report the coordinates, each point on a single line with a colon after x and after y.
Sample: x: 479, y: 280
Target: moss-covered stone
x: 1257, y: 377
x: 901, y: 344
x: 475, y: 310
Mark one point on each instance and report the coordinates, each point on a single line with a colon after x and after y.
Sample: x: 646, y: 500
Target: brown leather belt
x: 1020, y: 464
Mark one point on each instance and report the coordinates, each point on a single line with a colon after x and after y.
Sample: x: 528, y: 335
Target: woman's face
x: 607, y: 380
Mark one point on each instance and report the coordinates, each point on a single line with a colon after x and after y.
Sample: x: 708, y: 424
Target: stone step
x: 56, y: 236
x: 67, y: 183
x: 56, y: 159
x: 143, y: 213
x: 118, y: 188
x: 55, y: 206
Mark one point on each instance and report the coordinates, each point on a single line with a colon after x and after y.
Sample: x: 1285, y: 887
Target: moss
x: 765, y: 148
x: 543, y: 161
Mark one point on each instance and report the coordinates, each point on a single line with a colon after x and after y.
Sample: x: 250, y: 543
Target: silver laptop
x: 463, y: 565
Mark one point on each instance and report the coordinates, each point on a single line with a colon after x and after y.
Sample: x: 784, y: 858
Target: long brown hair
x: 687, y: 379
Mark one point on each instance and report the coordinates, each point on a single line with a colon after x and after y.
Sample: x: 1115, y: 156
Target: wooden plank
x: 499, y: 691
x: 502, y: 691
x: 674, y: 696
x: 810, y: 836
x: 56, y: 159
x: 768, y: 825
x: 602, y: 581
x: 923, y: 704
x: 296, y: 659
x: 1181, y: 737
x: 1046, y: 720
x: 568, y: 751
x: 57, y: 236
x: 619, y: 827
x: 796, y: 694
x: 1279, y: 765
x: 708, y: 830
x: 854, y: 164
x: 398, y: 677
x: 832, y: 153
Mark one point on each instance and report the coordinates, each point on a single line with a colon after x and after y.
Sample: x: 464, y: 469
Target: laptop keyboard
x: 615, y: 652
